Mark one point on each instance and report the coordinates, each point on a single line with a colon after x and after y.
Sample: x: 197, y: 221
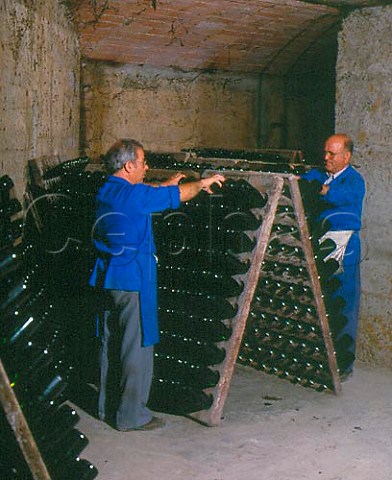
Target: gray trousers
x: 126, y: 366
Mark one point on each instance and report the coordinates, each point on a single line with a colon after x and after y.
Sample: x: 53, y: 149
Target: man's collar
x: 334, y: 175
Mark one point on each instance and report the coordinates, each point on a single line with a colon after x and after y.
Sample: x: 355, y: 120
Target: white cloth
x: 341, y: 238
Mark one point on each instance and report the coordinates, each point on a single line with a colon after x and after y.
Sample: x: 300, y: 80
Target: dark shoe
x: 153, y: 424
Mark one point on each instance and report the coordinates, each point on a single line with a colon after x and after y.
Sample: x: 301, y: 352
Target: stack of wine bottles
x: 33, y: 349
x: 67, y: 208
x: 204, y: 251
x: 273, y: 157
x: 282, y: 336
x: 201, y: 159
x: 67, y: 212
x: 178, y: 162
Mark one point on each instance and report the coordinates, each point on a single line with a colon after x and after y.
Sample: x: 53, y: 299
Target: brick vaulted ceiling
x: 261, y: 36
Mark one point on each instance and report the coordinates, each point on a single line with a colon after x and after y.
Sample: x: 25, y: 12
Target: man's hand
x: 214, y: 179
x: 191, y: 189
x: 173, y: 180
x: 324, y: 189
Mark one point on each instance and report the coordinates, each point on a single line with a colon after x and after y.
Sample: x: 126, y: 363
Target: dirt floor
x: 271, y: 430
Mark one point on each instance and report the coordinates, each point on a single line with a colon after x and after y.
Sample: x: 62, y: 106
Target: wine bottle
x: 287, y: 271
x: 238, y: 242
x: 6, y: 183
x: 309, y: 189
x: 271, y: 303
x: 300, y: 291
x: 11, y: 232
x: 343, y: 343
x: 260, y: 318
x: 14, y: 294
x: 308, y: 310
x: 246, y: 357
x: 34, y: 352
x: 324, y: 249
x: 311, y: 198
x: 345, y: 361
x: 172, y: 367
x: 268, y: 284
x: 307, y: 331
x: 314, y: 367
x: 318, y: 378
x: 309, y: 383
x: 315, y: 350
x: 41, y: 365
x: 336, y: 324
x: 11, y: 260
x: 330, y: 285
x: 206, y: 305
x: 283, y: 230
x: 203, y: 281
x: 230, y: 264
x: 202, y: 353
x: 207, y: 259
x: 283, y: 289
x: 36, y: 402
x: 241, y: 221
x: 273, y: 357
x: 22, y: 328
x: 334, y: 305
x: 59, y: 453
x: 9, y: 209
x: 276, y: 248
x: 58, y: 426
x: 12, y: 463
x: 242, y: 193
x: 327, y: 269
x: 203, y: 328
x: 318, y: 229
x: 73, y: 165
x: 285, y: 211
x: 13, y: 309
x: 38, y: 415
x: 178, y: 398
x: 7, y: 282
x: 77, y: 469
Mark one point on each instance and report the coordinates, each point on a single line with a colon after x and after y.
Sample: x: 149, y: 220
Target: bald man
x: 342, y: 193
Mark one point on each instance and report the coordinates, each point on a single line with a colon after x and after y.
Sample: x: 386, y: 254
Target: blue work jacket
x: 124, y: 240
x: 344, y: 198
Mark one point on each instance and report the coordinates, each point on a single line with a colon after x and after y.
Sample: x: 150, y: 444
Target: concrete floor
x: 272, y: 430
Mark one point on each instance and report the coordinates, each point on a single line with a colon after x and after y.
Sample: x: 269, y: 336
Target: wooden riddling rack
x: 282, y: 190
x: 184, y: 337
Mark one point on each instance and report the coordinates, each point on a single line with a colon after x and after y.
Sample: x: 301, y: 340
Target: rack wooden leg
x: 21, y: 429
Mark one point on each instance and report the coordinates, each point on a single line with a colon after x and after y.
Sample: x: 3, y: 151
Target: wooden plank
x: 314, y: 278
x: 21, y: 429
x: 212, y: 416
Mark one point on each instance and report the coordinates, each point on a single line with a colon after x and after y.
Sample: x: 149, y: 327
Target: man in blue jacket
x: 342, y: 193
x: 126, y: 271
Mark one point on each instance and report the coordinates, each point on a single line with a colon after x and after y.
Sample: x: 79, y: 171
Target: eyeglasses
x: 333, y: 154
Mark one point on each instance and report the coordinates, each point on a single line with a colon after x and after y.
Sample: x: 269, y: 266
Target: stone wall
x: 40, y: 77
x: 364, y: 110
x: 167, y: 110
